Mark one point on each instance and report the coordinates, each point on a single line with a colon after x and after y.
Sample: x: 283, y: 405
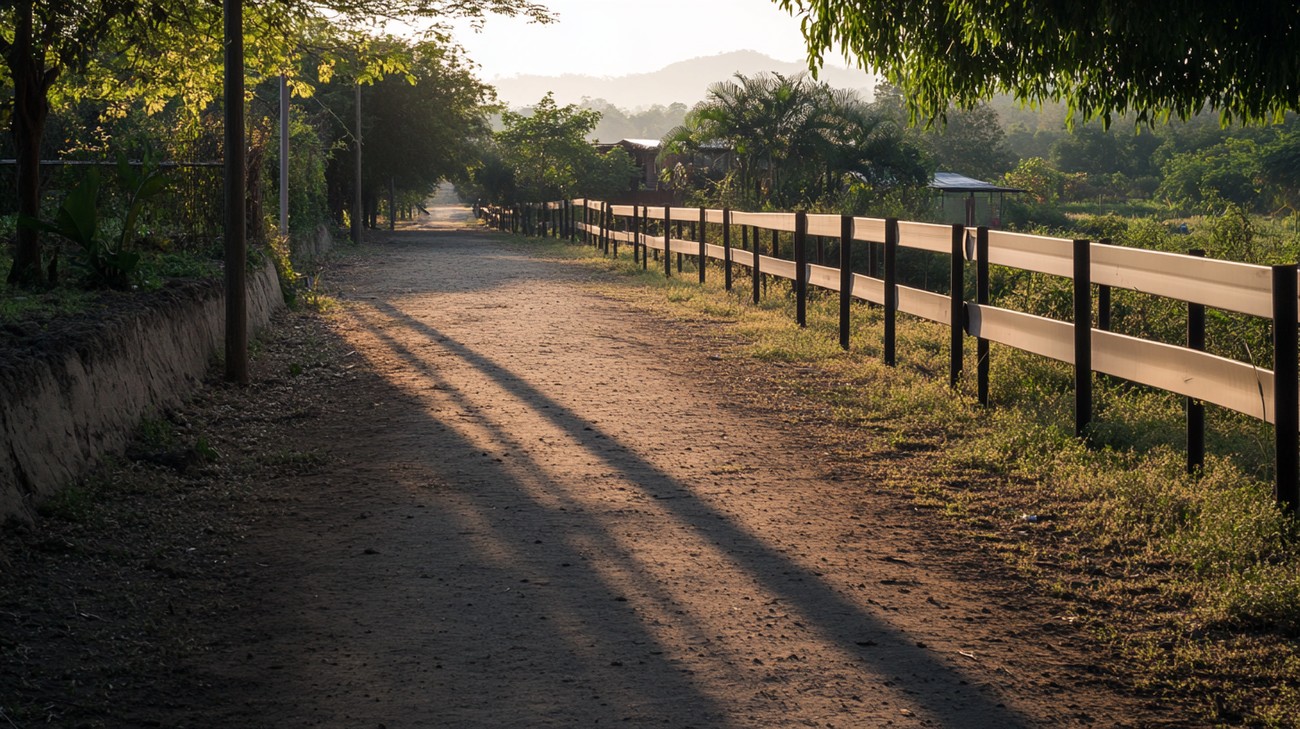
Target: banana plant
x: 106, y: 264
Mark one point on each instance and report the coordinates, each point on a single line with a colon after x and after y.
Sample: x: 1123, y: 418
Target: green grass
x: 1194, y: 580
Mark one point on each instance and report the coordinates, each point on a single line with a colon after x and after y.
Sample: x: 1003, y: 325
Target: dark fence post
x: 1286, y: 388
x: 982, y: 299
x: 703, y: 245
x: 609, y: 226
x: 604, y: 229
x: 891, y: 289
x: 1082, y: 336
x: 776, y: 249
x: 726, y: 248
x: 668, y: 242
x: 635, y: 227
x: 645, y: 238
x: 957, y: 297
x: 1195, y: 408
x: 679, y: 252
x: 757, y: 268
x: 612, y: 238
x: 846, y: 278
x: 801, y: 268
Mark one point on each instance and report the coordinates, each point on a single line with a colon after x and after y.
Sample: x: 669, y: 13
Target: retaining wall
x: 66, y: 403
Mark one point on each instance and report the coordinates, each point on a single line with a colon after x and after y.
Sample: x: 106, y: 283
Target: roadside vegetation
x: 1191, y: 582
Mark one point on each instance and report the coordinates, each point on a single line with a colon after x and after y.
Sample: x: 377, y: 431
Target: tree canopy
x: 158, y: 50
x: 1102, y: 58
x: 794, y: 140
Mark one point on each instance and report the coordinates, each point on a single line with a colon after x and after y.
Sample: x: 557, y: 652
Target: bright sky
x: 618, y: 37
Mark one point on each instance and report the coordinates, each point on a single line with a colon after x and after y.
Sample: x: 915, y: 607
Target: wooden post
x: 956, y: 298
x: 358, y: 212
x: 606, y: 226
x: 846, y: 278
x: 1286, y: 389
x: 392, y: 204
x: 668, y: 242
x: 679, y: 255
x: 982, y: 298
x: 801, y: 268
x: 891, y: 289
x: 756, y: 269
x: 776, y: 246
x: 1195, y: 408
x: 704, y: 250
x: 645, y: 239
x: 236, y: 213
x: 1082, y: 337
x: 726, y: 247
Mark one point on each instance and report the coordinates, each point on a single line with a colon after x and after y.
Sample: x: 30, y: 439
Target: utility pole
x: 358, y: 215
x: 284, y: 155
x: 236, y: 241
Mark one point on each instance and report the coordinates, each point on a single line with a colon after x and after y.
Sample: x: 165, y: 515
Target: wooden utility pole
x: 284, y: 155
x: 358, y: 215
x: 236, y: 241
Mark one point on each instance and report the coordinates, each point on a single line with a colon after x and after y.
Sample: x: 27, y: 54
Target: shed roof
x: 953, y: 182
x: 641, y: 143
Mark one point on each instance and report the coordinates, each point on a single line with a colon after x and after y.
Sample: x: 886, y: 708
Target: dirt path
x: 539, y: 512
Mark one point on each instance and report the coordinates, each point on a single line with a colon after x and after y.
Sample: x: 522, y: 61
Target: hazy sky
x: 618, y: 37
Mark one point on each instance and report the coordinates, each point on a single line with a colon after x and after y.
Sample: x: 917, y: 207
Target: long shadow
x: 590, y: 659
x: 941, y: 689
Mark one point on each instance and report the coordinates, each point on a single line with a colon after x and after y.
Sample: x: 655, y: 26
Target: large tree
x: 44, y: 42
x: 1103, y: 57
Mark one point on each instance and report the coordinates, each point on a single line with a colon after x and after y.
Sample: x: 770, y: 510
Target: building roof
x: 953, y: 182
x: 641, y: 143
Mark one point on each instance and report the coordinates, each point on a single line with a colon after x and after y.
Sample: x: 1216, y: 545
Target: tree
x: 550, y: 156
x: 45, y: 42
x: 420, y: 125
x: 1208, y: 177
x: 794, y: 140
x: 1103, y: 58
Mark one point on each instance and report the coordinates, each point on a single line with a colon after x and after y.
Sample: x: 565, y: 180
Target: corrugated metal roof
x: 953, y: 182
x: 642, y: 143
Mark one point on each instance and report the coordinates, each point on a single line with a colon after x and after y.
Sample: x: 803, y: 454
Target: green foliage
x: 545, y: 155
x: 1206, y: 178
x: 106, y: 263
x: 1036, y: 176
x: 308, y: 195
x: 794, y: 142
x: 1103, y: 59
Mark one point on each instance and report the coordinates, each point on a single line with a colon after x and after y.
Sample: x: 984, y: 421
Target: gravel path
x: 540, y: 511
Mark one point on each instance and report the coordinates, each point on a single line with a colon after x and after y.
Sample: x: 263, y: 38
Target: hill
x: 685, y: 81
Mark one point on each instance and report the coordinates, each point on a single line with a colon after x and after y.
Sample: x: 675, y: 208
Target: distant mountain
x: 684, y: 81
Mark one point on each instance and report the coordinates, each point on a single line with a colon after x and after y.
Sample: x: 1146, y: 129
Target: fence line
x: 1261, y: 291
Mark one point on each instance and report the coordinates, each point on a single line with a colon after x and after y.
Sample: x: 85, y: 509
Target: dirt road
x: 539, y: 512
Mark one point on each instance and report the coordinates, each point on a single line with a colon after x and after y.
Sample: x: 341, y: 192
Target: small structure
x: 958, y: 202
x: 645, y: 152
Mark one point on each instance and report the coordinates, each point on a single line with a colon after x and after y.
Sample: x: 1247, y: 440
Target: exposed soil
x: 482, y: 496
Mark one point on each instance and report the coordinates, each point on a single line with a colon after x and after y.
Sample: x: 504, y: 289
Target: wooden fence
x: 1262, y: 291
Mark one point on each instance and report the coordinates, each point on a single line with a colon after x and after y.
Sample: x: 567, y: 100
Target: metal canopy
x: 953, y: 182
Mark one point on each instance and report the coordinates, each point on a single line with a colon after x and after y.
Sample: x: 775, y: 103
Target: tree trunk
x: 31, y: 108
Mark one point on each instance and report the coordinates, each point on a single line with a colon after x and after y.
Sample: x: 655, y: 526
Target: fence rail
x: 1262, y: 291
